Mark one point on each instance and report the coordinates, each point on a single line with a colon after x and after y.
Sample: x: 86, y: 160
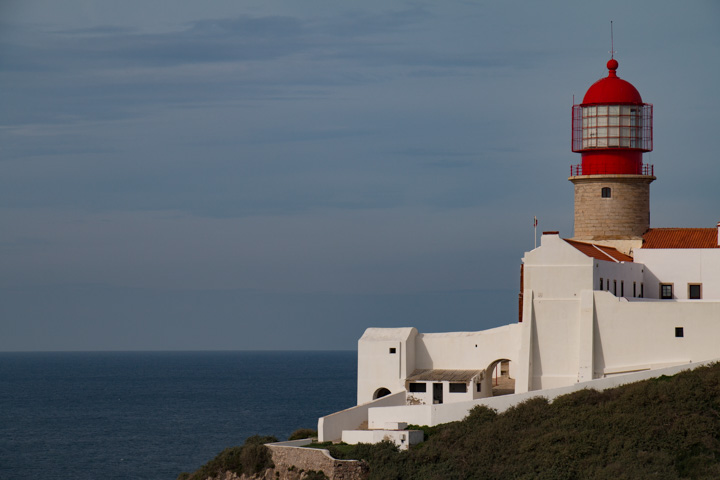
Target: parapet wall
x: 291, y: 462
x: 330, y: 427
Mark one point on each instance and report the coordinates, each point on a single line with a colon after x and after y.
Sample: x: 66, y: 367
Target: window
x: 666, y: 291
x: 642, y: 290
x: 478, y: 387
x: 458, y: 388
x: 679, y: 333
x: 607, y: 285
x: 381, y: 392
x: 392, y: 350
x: 606, y: 192
x: 622, y: 288
x: 634, y: 289
x: 615, y: 287
x: 694, y: 291
x: 418, y: 387
x: 601, y: 283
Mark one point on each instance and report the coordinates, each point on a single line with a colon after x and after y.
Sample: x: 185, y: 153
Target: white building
x: 619, y: 297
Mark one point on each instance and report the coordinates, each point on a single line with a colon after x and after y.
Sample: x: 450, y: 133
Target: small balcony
x: 610, y: 169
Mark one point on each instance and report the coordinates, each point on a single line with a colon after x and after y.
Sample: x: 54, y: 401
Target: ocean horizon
x: 155, y: 414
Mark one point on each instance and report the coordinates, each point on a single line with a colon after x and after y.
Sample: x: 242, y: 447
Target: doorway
x: 499, y: 379
x: 437, y: 393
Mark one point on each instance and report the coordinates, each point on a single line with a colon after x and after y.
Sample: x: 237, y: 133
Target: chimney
x: 547, y: 235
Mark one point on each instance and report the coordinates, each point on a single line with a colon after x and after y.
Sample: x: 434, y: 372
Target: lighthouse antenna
x: 612, y: 42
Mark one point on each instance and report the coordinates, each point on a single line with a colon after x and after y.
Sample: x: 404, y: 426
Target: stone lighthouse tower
x: 612, y: 128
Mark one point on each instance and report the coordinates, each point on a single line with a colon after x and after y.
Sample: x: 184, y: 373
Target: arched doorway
x: 499, y: 378
x: 381, y: 392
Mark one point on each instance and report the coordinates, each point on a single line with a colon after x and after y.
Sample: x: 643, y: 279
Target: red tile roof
x: 681, y: 238
x: 599, y: 252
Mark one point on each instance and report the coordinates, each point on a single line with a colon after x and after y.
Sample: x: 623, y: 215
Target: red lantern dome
x: 612, y: 128
x: 612, y: 89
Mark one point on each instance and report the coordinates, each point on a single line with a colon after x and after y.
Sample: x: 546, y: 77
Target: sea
x: 153, y: 415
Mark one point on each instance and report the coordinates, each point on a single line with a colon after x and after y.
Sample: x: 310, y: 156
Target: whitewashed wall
x: 402, y: 438
x: 377, y: 367
x: 619, y: 274
x: 555, y: 273
x: 466, y: 350
x: 634, y: 335
x: 557, y: 270
x: 426, y: 397
x: 681, y: 267
x: 556, y: 343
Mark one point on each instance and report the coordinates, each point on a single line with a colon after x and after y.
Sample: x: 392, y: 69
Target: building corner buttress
x: 524, y: 375
x: 586, y: 332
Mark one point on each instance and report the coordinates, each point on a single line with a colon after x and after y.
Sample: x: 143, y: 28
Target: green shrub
x: 303, y: 433
x: 260, y: 439
x: 255, y: 457
x: 227, y: 460
x: 340, y: 450
x: 480, y: 415
x: 251, y: 458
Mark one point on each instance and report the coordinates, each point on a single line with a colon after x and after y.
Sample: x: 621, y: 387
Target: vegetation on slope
x: 251, y: 458
x: 302, y: 433
x: 666, y: 428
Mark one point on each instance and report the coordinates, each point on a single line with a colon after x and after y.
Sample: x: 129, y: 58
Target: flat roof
x: 438, y: 375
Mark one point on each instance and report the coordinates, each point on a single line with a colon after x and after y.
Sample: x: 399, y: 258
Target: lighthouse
x: 611, y: 129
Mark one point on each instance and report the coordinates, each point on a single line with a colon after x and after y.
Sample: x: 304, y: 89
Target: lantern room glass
x: 607, y: 126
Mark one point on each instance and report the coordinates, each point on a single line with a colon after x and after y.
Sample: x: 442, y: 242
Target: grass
x: 302, y: 433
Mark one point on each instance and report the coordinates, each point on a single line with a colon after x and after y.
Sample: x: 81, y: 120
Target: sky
x: 265, y: 174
